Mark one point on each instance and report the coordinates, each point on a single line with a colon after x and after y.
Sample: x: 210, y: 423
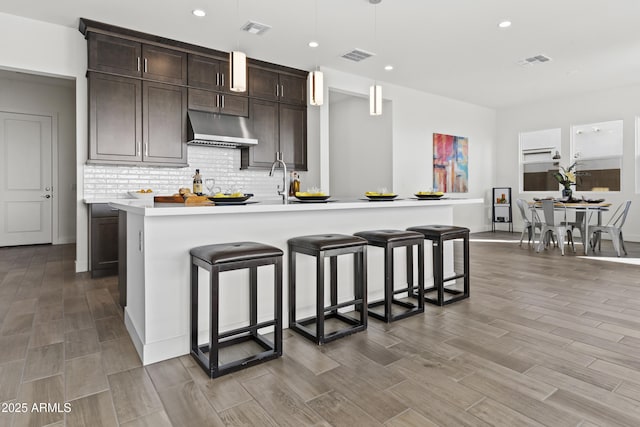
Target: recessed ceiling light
x: 313, y: 44
x: 504, y: 24
x: 199, y: 13
x: 388, y: 67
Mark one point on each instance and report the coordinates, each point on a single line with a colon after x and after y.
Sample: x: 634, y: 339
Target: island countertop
x: 148, y: 208
x: 158, y: 264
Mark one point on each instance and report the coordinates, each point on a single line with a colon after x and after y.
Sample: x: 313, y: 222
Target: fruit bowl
x: 142, y: 195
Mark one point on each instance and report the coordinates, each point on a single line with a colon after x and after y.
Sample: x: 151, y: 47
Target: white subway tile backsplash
x: 221, y: 164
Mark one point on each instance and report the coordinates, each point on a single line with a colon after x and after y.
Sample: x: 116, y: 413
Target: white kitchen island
x: 158, y: 262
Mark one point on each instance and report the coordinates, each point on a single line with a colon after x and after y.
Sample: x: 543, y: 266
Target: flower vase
x: 567, y: 193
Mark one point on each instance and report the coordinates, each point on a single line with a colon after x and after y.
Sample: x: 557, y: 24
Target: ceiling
x: 452, y: 48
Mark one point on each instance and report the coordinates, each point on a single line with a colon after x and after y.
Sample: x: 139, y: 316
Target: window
x: 597, y: 147
x: 539, y: 154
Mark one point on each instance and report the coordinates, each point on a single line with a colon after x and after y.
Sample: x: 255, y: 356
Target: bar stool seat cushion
x: 323, y: 242
x: 388, y: 236
x: 231, y: 252
x: 438, y: 230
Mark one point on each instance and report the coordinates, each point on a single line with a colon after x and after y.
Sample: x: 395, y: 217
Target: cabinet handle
x: 277, y: 91
x: 222, y: 78
x: 146, y: 149
x: 217, y: 79
x: 138, y: 148
x: 138, y: 64
x: 222, y: 96
x: 145, y: 65
x: 282, y: 91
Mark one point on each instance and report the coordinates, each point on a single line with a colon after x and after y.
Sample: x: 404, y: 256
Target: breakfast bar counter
x: 159, y: 237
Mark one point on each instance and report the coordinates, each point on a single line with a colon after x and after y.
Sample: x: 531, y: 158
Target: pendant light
x: 316, y: 78
x: 237, y: 64
x: 375, y: 91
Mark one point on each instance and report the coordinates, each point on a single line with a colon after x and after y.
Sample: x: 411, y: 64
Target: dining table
x: 588, y: 208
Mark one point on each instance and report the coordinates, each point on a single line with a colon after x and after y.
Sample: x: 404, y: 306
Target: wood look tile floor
x: 543, y: 340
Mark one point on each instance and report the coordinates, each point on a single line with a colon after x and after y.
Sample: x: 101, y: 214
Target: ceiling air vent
x: 255, y: 28
x: 357, y: 55
x: 534, y: 60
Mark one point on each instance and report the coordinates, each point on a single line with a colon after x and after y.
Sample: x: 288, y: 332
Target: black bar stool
x: 321, y: 246
x: 389, y: 240
x: 438, y: 234
x: 227, y: 257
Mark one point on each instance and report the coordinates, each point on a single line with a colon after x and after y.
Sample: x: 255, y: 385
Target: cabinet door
x: 293, y: 135
x: 114, y: 55
x: 264, y: 117
x: 234, y: 105
x: 203, y: 100
x: 293, y: 89
x: 165, y: 65
x: 165, y: 123
x: 104, y: 246
x: 115, y: 118
x: 263, y: 84
x: 204, y: 73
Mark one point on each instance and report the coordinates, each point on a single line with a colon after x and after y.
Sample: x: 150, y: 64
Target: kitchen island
x: 159, y: 238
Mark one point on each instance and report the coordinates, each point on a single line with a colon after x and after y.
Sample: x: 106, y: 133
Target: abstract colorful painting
x: 450, y: 163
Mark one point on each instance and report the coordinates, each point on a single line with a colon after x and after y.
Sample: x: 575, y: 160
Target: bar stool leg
x: 333, y: 262
x: 361, y: 272
x: 388, y: 282
x: 292, y: 289
x: 277, y: 283
x: 253, y: 298
x: 438, y: 269
x: 213, y: 327
x: 420, y: 275
x: 194, y: 307
x: 320, y: 297
x: 467, y: 277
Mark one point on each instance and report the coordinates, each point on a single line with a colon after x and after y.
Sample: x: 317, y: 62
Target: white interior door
x: 25, y: 179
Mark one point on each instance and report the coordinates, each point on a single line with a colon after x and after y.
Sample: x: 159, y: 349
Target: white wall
x: 360, y: 147
x: 613, y: 104
x: 42, y: 48
x: 416, y: 116
x: 55, y: 97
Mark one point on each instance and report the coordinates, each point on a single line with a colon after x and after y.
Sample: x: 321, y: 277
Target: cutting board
x: 191, y: 201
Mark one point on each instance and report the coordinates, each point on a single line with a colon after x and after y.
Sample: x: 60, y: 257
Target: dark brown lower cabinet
x: 103, y: 240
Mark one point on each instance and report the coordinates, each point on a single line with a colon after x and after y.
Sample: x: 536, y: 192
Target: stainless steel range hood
x: 218, y: 130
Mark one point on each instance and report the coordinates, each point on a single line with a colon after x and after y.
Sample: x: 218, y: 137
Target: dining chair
x: 549, y: 226
x: 613, y: 227
x: 529, y: 224
x: 579, y: 223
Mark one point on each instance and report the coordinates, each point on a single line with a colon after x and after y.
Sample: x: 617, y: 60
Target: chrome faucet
x: 284, y: 192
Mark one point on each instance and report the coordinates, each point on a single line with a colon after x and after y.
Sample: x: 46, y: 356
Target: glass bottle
x: 197, y: 183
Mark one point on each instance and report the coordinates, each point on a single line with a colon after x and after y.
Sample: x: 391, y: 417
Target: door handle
x: 46, y: 196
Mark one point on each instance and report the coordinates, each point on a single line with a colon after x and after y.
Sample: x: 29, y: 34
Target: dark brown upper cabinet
x: 125, y: 57
x: 115, y: 55
x: 208, y: 73
x: 131, y: 120
x: 276, y: 86
x: 278, y: 127
x: 164, y: 65
x: 164, y: 135
x: 115, y: 118
x: 221, y: 103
